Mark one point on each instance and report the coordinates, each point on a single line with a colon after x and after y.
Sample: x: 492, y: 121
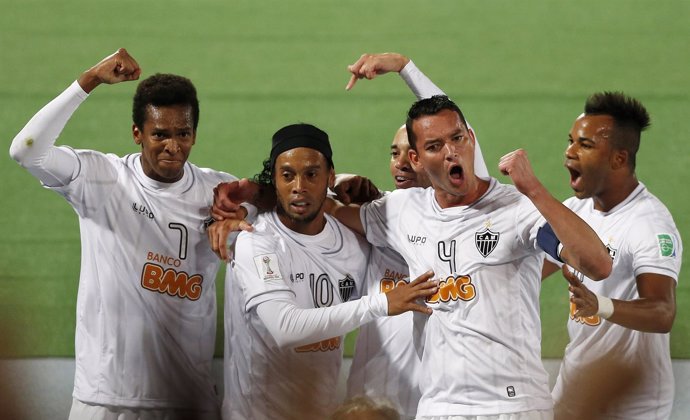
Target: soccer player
x: 619, y: 326
x: 289, y: 286
x: 482, y: 342
x: 385, y: 362
x: 146, y: 306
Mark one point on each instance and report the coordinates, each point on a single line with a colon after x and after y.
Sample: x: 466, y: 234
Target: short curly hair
x: 164, y: 90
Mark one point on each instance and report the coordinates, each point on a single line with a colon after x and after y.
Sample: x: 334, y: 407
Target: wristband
x: 605, y: 307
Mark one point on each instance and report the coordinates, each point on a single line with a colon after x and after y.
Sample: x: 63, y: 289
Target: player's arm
x: 357, y: 189
x: 653, y: 312
x: 291, y: 325
x: 241, y: 199
x: 348, y: 215
x: 370, y: 66
x: 34, y: 146
x: 581, y: 246
x: 222, y: 235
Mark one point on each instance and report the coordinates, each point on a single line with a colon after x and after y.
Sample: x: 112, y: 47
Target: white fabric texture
x: 277, y: 269
x: 642, y: 238
x: 386, y: 362
x: 146, y: 305
x: 482, y: 349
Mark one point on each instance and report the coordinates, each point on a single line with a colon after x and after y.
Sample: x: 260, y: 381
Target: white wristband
x: 605, y: 306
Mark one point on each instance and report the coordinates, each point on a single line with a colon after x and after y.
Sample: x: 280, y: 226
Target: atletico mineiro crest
x: 612, y: 251
x: 346, y: 286
x: 486, y: 241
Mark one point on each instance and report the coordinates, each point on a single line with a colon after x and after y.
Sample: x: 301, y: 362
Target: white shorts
x: 84, y: 411
x: 523, y: 415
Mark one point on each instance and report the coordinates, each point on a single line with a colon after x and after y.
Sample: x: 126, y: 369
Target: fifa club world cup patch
x: 666, y: 245
x: 486, y: 241
x: 267, y: 267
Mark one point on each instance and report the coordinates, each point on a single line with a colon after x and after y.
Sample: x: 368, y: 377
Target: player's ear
x: 619, y: 158
x: 413, y: 157
x: 331, y: 179
x: 471, y: 134
x: 137, y: 134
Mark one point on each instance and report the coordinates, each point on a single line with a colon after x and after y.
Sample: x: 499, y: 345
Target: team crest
x: 612, y: 251
x: 346, y: 286
x: 267, y: 267
x: 486, y: 241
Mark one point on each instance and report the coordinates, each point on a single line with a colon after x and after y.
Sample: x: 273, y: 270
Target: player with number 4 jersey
x: 482, y: 240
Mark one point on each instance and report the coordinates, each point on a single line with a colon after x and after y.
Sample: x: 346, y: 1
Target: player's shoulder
x: 339, y: 229
x: 501, y: 196
x: 99, y: 157
x: 402, y: 197
x: 652, y: 205
x: 210, y: 175
x: 264, y: 237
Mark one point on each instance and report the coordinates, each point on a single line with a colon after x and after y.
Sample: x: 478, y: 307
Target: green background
x: 520, y: 70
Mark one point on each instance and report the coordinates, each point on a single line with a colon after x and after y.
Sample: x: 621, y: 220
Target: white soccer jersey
x: 483, y: 341
x: 146, y: 304
x: 146, y: 307
x: 385, y: 362
x: 642, y: 238
x: 262, y: 380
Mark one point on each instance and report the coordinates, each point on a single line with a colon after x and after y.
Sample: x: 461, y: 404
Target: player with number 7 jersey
x: 146, y: 305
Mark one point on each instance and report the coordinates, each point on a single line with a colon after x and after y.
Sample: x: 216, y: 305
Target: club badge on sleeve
x: 666, y: 245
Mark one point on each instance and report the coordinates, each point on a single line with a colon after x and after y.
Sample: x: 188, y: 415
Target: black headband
x: 300, y: 135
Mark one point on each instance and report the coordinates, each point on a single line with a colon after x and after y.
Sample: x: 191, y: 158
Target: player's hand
x: 407, y: 297
x: 585, y: 301
x: 516, y: 165
x: 222, y: 235
x: 355, y: 189
x: 115, y: 68
x: 371, y: 65
x: 227, y: 197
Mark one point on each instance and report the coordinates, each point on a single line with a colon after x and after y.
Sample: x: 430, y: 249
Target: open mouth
x: 575, y: 177
x: 456, y: 174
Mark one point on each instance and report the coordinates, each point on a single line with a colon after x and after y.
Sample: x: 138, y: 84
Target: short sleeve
x: 258, y: 268
x: 528, y: 220
x: 656, y: 248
